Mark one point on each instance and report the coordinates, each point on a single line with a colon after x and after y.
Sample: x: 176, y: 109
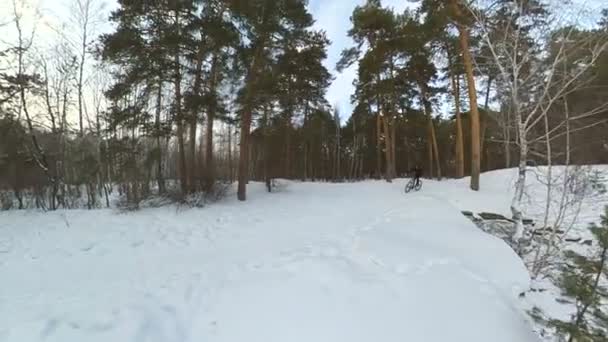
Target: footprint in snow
x: 476, y: 277
x: 136, y: 244
x: 428, y: 264
x: 88, y: 247
x: 49, y: 328
x: 5, y: 246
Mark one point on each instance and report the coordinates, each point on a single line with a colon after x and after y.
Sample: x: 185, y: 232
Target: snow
x: 313, y: 262
x: 496, y: 190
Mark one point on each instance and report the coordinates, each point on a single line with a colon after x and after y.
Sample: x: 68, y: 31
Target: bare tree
x: 86, y: 15
x: 533, y: 81
x: 25, y: 83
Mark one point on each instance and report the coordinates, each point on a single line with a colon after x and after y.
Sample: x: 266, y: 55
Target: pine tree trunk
x: 244, y: 156
x: 393, y: 154
x: 265, y: 151
x: 408, y: 161
x: 179, y: 119
x: 305, y: 173
x: 246, y: 124
x: 459, y: 135
x: 159, y: 166
x: 287, y: 171
x: 338, y: 174
x: 433, y: 149
x: 230, y: 166
x: 378, y: 145
x: 387, y: 149
x: 209, y: 160
x: 463, y: 33
x: 192, y: 174
x: 183, y: 171
x: 484, y: 120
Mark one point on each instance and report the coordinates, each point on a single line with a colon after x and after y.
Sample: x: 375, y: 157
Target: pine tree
x: 581, y: 280
x: 381, y: 49
x: 438, y: 15
x: 148, y: 47
x: 455, y: 72
x: 212, y: 68
x: 269, y: 26
x: 463, y: 33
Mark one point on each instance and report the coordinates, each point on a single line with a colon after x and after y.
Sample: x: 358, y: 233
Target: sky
x: 332, y: 16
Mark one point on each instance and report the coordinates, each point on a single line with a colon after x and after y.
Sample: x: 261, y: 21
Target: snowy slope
x: 497, y: 189
x: 315, y: 262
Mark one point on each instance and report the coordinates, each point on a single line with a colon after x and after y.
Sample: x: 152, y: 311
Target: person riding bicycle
x: 417, y: 173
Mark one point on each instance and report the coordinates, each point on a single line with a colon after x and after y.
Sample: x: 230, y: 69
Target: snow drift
x: 314, y: 262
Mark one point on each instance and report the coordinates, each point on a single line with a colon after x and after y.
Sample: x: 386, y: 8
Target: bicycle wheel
x: 418, y: 186
x: 409, y: 186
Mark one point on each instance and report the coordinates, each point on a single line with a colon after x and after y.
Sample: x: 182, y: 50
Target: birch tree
x: 533, y: 80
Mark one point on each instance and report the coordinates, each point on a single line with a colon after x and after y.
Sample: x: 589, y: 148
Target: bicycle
x: 411, y: 185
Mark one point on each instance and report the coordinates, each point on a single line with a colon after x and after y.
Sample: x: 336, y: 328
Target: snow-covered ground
x: 313, y: 262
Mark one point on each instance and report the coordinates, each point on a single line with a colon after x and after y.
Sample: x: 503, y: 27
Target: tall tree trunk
x: 406, y: 147
x: 507, y: 138
x: 159, y: 166
x: 192, y: 167
x: 179, y: 119
x: 459, y: 135
x: 393, y: 153
x: 378, y: 145
x: 337, y: 156
x: 484, y: 120
x: 265, y: 151
x: 463, y: 33
x: 387, y: 148
x: 230, y: 166
x: 355, y: 151
x: 246, y: 123
x: 287, y: 170
x: 433, y: 148
x: 516, y: 203
x: 83, y: 52
x: 305, y: 134
x: 209, y: 160
x: 408, y: 161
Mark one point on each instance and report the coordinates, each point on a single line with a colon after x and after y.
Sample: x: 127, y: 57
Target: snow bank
x: 497, y: 189
x: 315, y: 262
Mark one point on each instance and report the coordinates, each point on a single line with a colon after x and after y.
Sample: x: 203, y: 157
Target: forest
x: 182, y: 97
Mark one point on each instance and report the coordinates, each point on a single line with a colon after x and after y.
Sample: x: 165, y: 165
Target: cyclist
x: 417, y: 172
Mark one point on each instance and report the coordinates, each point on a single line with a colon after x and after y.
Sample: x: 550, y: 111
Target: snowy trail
x: 315, y: 262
